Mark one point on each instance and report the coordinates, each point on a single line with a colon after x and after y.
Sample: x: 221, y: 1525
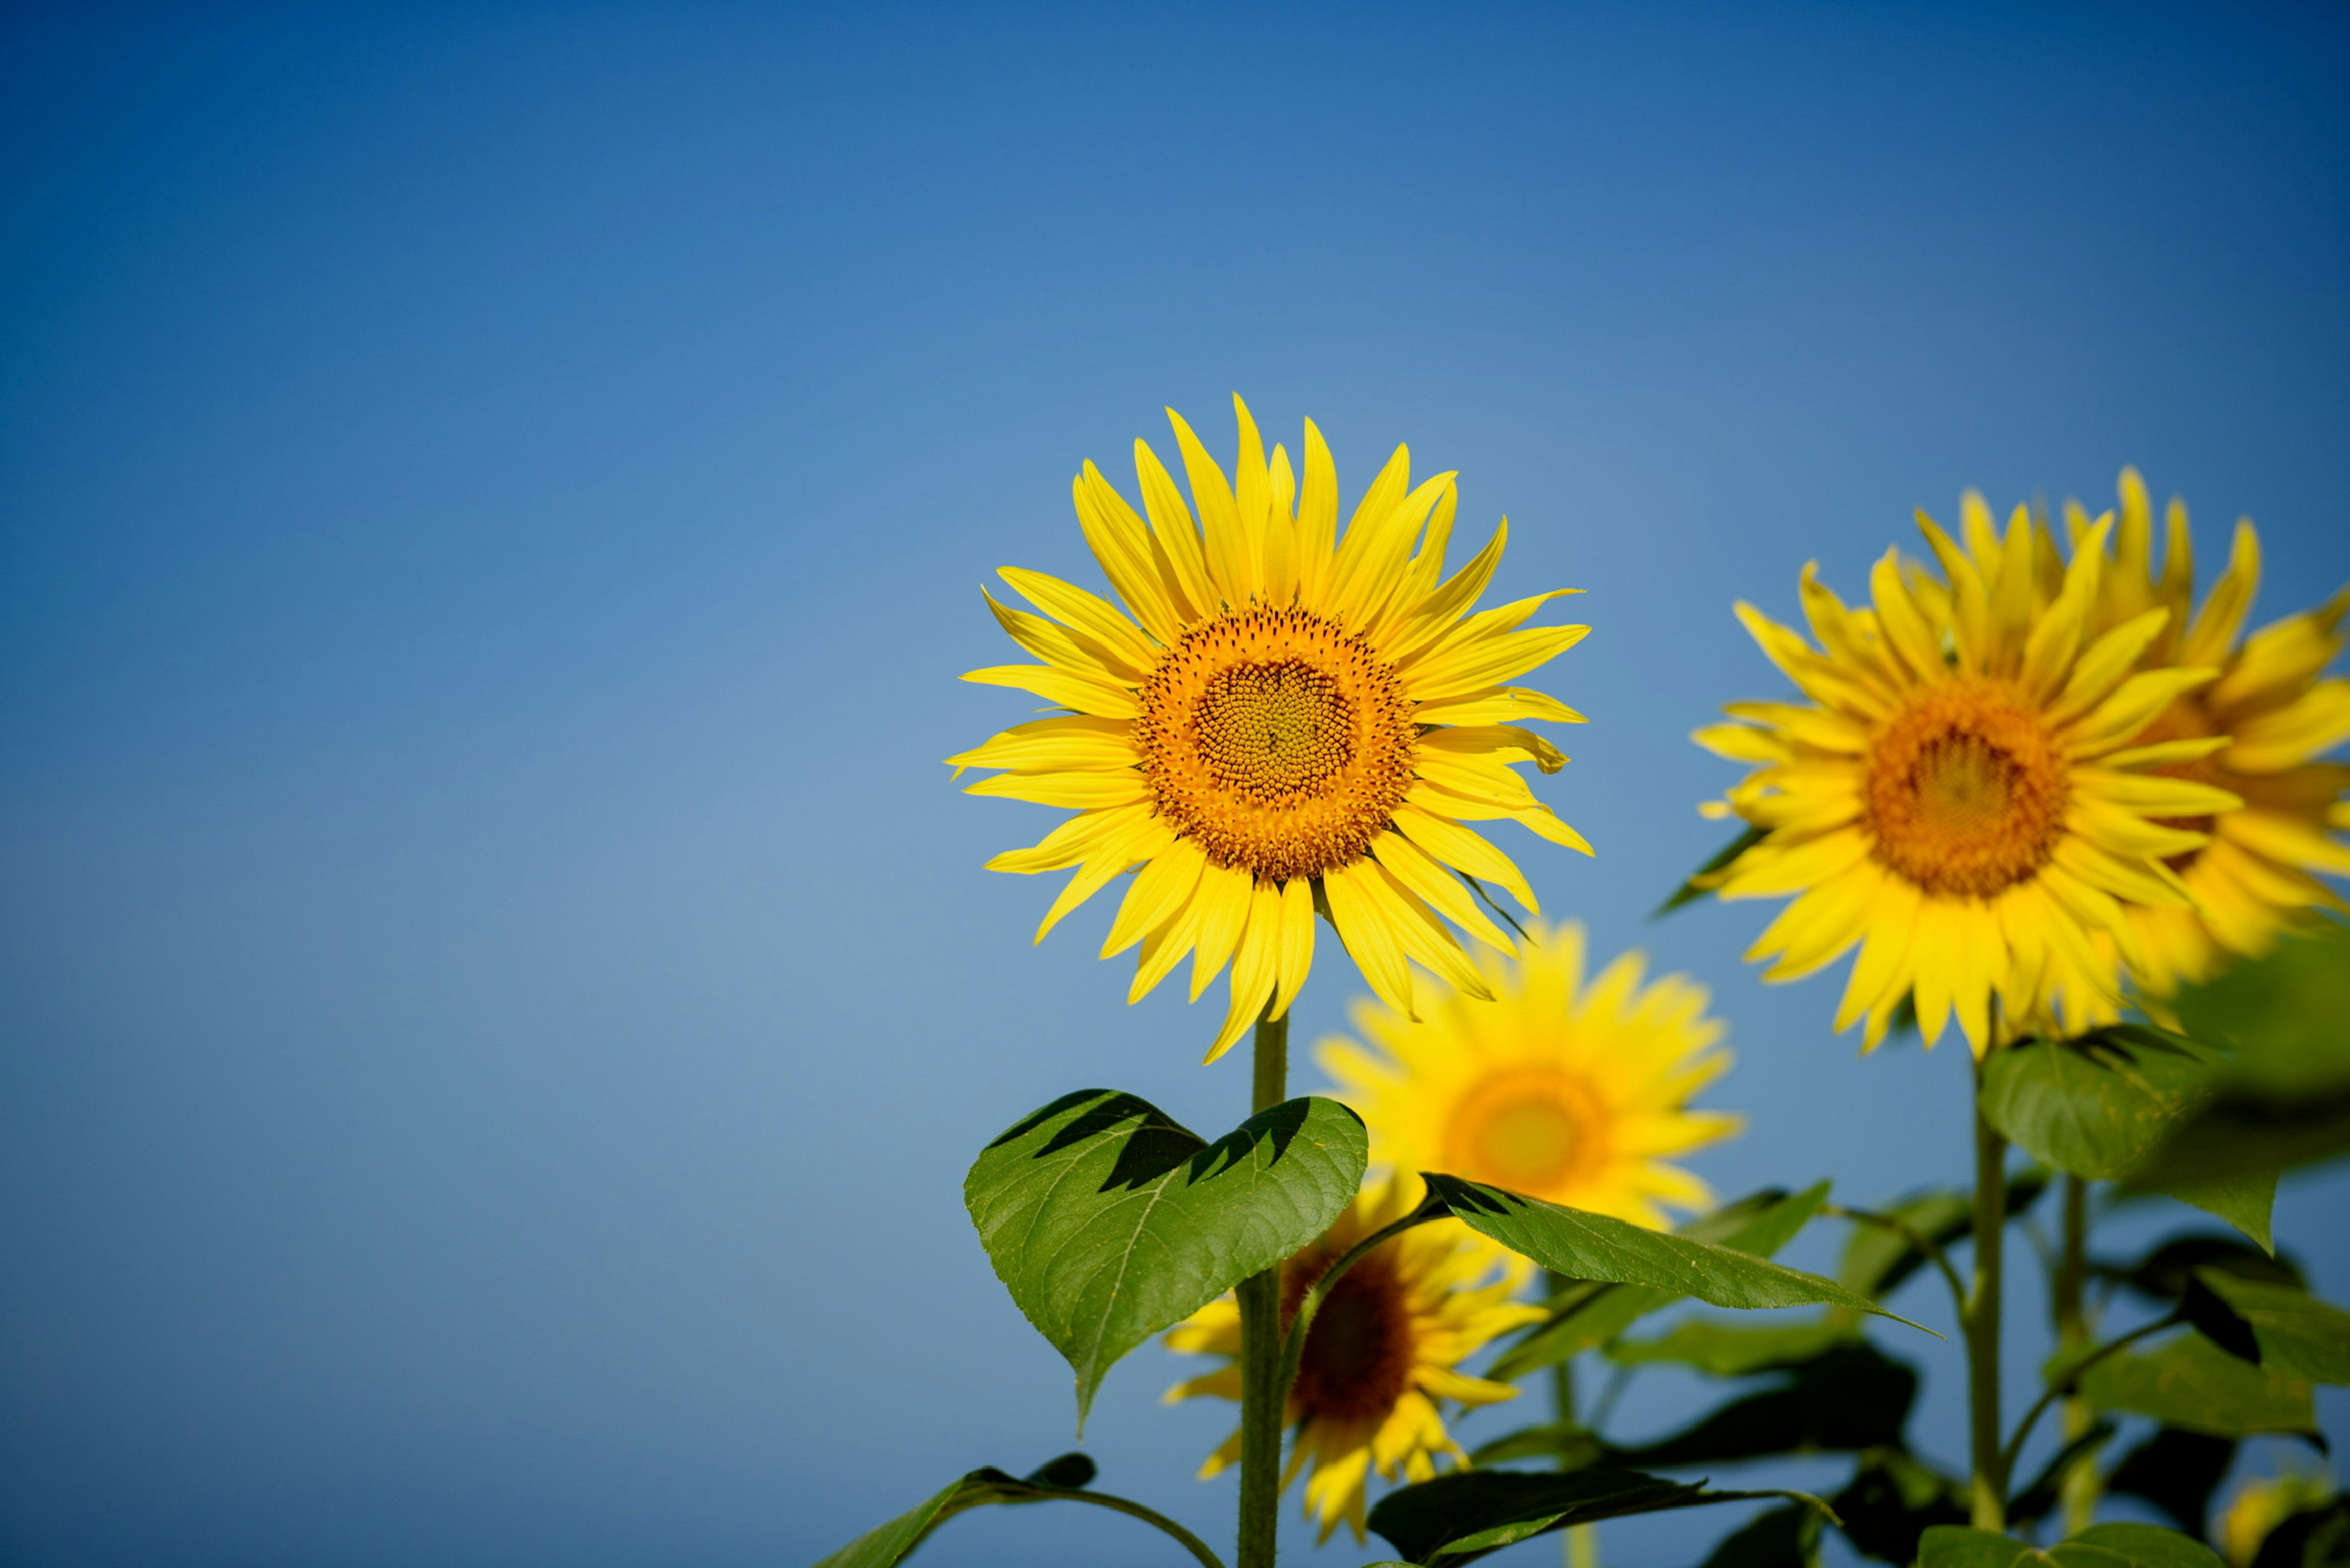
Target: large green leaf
x: 1108, y: 1221
x: 1726, y: 1347
x: 2100, y: 1105
x: 1601, y: 1248
x: 1459, y: 1518
x: 2297, y: 1334
x: 1061, y: 1479
x: 2100, y: 1546
x: 1594, y: 1313
x: 2285, y: 1101
x: 2191, y: 1383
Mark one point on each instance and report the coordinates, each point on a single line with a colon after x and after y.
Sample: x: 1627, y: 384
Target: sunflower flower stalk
x: 1277, y: 720
x: 1973, y: 796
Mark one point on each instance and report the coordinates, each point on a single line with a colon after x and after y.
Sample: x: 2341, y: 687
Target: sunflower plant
x: 2045, y: 801
x: 2037, y: 788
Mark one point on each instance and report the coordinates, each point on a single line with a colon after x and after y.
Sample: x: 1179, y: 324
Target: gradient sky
x: 496, y: 991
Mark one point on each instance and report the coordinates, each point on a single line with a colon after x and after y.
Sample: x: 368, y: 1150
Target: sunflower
x: 1279, y: 721
x: 1964, y: 796
x: 2254, y: 732
x: 1563, y: 1091
x: 1383, y: 1350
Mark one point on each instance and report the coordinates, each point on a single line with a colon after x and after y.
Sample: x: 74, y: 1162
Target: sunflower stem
x: 2082, y: 1486
x: 1262, y: 1401
x: 1989, y: 1492
x: 1582, y: 1547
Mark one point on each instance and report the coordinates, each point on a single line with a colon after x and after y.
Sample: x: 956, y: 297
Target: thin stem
x: 1582, y: 1545
x: 1925, y: 1244
x: 2083, y: 1484
x: 1191, y: 1542
x: 2072, y: 1380
x: 1263, y: 1392
x: 1989, y: 1483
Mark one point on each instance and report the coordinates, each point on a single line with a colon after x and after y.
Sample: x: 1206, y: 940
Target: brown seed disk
x: 1357, y: 1356
x: 1965, y: 790
x: 1277, y: 741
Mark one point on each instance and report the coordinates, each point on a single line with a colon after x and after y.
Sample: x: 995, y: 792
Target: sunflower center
x: 1277, y: 741
x: 1964, y: 791
x: 1357, y: 1360
x: 1533, y: 1129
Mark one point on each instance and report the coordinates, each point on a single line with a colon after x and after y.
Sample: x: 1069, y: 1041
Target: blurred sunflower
x: 2255, y: 732
x: 1280, y: 720
x: 1965, y: 796
x: 2263, y: 1503
x: 1563, y: 1091
x: 1383, y: 1350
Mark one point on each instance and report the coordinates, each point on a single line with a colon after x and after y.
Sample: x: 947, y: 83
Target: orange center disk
x: 1277, y: 741
x: 1532, y: 1129
x: 1965, y: 791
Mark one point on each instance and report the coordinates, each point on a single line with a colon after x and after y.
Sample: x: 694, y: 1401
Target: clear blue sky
x: 496, y: 991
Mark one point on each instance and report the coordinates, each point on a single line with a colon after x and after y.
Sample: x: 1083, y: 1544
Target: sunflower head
x: 1963, y: 794
x: 1565, y: 1090
x: 1277, y: 718
x: 1383, y: 1352
x: 2258, y: 732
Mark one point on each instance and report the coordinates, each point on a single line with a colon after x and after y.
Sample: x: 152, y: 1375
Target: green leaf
x: 2191, y: 1383
x: 1108, y: 1221
x: 2100, y: 1105
x: 1892, y: 1500
x: 2164, y: 1272
x: 2100, y: 1546
x: 1601, y: 1248
x: 1060, y: 1480
x: 2285, y: 1100
x: 1459, y: 1518
x: 1690, y: 891
x: 1603, y: 1308
x: 1726, y: 1347
x: 1851, y: 1397
x: 2244, y: 1199
x: 1957, y: 1546
x: 2177, y: 1471
x: 1785, y: 1537
x: 2297, y: 1334
x: 2132, y: 1546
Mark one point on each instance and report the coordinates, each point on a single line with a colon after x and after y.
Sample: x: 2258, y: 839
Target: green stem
x: 1581, y: 1540
x: 1989, y: 1483
x: 2082, y: 1486
x: 1263, y: 1400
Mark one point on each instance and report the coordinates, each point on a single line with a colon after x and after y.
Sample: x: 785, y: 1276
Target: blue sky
x: 496, y: 991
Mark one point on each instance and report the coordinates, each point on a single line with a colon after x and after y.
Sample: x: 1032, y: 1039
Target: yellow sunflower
x: 1560, y: 1090
x: 2255, y: 732
x: 1963, y: 795
x: 1280, y: 720
x: 1382, y: 1351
